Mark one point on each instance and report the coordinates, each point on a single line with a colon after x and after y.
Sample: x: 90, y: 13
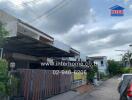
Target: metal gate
x: 40, y: 84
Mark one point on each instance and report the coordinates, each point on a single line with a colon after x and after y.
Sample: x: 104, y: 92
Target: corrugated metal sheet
x: 39, y: 84
x: 61, y: 46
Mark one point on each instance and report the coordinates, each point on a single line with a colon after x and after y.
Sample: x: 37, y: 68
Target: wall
x: 103, y: 67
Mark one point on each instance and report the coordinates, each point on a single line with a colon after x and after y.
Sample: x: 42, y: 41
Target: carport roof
x: 29, y: 46
x: 32, y: 41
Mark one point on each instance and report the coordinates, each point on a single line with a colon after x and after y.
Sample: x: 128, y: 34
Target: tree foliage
x: 3, y: 77
x: 8, y: 82
x: 92, y: 72
x: 114, y: 67
x: 127, y: 59
x: 125, y: 70
x: 3, y: 34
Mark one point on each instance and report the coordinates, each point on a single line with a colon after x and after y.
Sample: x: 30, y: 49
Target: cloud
x: 125, y: 24
x: 94, y: 40
x: 59, y: 20
x: 130, y: 6
x: 76, y: 12
x: 92, y: 15
x: 74, y: 22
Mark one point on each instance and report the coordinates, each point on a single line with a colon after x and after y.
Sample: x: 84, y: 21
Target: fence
x: 40, y: 84
x: 79, y: 79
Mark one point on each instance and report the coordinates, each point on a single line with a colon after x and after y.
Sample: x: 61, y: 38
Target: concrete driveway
x: 107, y: 91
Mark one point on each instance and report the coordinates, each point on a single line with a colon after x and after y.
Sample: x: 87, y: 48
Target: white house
x: 101, y: 62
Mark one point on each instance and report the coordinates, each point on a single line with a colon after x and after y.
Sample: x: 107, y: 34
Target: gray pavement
x: 107, y: 91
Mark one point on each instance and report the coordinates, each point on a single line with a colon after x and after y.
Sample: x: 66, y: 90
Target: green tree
x: 114, y: 67
x: 3, y: 34
x: 92, y: 72
x: 3, y: 76
x: 8, y: 83
x: 127, y: 58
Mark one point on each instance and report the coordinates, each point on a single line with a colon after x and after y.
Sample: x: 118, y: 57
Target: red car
x: 125, y: 87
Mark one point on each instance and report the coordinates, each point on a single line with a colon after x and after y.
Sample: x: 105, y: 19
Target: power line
x: 49, y: 12
x: 25, y: 4
x: 59, y: 8
x: 52, y: 10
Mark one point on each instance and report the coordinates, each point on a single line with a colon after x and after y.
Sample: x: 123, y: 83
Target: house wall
x: 20, y: 60
x: 102, y: 67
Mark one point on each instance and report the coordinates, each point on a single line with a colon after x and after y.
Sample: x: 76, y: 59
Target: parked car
x: 125, y: 87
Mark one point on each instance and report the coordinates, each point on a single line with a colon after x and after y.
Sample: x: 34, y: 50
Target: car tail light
x: 129, y: 91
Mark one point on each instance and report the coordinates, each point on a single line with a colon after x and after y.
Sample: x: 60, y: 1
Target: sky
x: 86, y: 25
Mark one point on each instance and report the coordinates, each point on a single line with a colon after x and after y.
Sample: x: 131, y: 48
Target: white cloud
x: 72, y: 23
x: 99, y: 40
x: 92, y: 15
x: 126, y: 24
x: 112, y: 53
x: 130, y: 6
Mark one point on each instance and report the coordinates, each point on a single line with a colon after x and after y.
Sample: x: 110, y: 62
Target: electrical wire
x: 53, y: 10
x: 49, y: 12
x: 58, y: 8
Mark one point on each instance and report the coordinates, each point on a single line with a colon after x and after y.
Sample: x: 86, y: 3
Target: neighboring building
x: 101, y: 62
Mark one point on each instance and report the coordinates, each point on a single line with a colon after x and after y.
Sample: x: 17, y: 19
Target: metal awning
x: 29, y: 46
x: 32, y: 41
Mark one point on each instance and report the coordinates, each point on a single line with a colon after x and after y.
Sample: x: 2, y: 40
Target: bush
x: 3, y: 76
x: 126, y: 70
x: 8, y: 83
x: 114, y: 67
x: 91, y: 74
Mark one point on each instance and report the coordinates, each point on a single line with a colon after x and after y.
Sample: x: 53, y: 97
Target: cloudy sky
x: 86, y: 25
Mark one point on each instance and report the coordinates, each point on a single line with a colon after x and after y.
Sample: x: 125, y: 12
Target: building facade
x: 101, y: 62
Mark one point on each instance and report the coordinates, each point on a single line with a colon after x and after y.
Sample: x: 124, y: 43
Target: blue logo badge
x: 117, y: 10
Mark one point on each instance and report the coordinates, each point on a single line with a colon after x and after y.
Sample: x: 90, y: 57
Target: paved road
x: 107, y: 91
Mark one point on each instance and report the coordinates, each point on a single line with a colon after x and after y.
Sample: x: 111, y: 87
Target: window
x: 102, y: 63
